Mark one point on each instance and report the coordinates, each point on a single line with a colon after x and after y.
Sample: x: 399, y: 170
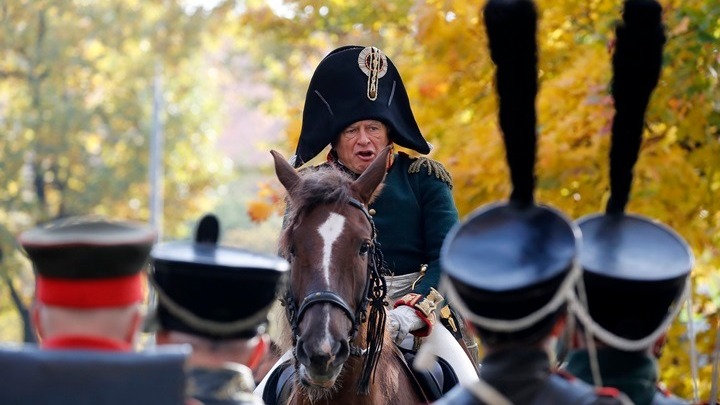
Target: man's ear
x: 657, y: 347
x: 162, y: 337
x: 258, y: 352
x: 135, y: 324
x: 559, y: 326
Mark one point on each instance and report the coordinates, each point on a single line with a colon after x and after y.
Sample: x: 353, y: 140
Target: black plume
x: 636, y: 69
x: 208, y: 230
x: 511, y: 27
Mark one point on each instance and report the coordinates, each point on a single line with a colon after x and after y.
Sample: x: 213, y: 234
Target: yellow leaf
x: 259, y: 211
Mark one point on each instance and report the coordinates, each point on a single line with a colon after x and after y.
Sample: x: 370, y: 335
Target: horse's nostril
x: 301, y: 353
x: 342, y: 352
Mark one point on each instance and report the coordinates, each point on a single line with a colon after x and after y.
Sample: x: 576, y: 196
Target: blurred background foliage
x: 440, y: 48
x: 76, y: 111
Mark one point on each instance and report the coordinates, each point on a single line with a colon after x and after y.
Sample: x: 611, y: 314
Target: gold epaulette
x: 433, y: 168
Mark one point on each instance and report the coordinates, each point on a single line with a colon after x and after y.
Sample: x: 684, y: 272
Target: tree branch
x: 17, y: 74
x: 28, y: 332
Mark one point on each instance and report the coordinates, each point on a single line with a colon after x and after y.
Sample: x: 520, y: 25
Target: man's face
x: 359, y: 144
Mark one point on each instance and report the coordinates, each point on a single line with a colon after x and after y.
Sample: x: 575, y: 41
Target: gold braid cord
x: 433, y: 168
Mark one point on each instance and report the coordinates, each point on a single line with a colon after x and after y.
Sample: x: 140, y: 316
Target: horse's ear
x: 372, y: 177
x: 285, y: 173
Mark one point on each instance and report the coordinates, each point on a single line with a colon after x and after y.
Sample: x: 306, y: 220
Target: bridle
x: 375, y: 292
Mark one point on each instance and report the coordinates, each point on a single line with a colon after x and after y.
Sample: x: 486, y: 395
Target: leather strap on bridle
x: 295, y: 314
x: 374, y: 293
x: 325, y: 297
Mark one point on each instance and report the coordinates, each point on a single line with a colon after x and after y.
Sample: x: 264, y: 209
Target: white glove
x: 403, y: 320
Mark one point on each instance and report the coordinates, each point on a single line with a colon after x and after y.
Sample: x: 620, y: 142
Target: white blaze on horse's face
x: 329, y: 231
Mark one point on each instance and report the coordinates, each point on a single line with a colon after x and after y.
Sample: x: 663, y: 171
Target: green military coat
x: 634, y: 373
x: 413, y: 214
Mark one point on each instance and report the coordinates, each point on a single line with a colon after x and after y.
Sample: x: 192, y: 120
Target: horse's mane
x: 320, y: 185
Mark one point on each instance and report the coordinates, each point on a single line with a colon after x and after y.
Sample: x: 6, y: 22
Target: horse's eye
x: 364, y: 248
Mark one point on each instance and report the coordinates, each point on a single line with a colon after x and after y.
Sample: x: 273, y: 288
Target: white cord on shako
x: 194, y: 321
x: 481, y: 389
x: 503, y: 325
x: 578, y: 306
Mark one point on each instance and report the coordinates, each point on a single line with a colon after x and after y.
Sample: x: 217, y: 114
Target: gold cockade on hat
x: 374, y: 64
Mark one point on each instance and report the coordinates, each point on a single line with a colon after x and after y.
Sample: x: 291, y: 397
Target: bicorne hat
x: 351, y: 84
x: 214, y: 291
x: 88, y: 261
x: 635, y: 269
x: 508, y: 266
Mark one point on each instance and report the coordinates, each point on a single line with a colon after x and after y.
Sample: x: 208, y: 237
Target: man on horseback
x: 357, y: 104
x: 216, y: 299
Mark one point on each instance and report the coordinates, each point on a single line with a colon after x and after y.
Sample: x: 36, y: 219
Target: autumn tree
x: 76, y: 92
x: 440, y: 49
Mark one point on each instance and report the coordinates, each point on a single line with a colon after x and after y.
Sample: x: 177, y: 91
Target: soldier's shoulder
x: 664, y: 397
x: 579, y: 392
x: 422, y: 165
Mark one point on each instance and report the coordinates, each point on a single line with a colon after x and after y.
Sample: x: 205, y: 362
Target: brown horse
x: 334, y: 301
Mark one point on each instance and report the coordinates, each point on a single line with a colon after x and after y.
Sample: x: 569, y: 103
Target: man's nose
x: 363, y: 136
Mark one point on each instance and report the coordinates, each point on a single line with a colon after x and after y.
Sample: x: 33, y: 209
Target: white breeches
x: 442, y: 343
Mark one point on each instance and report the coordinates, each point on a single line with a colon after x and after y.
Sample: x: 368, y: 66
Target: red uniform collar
x: 85, y: 343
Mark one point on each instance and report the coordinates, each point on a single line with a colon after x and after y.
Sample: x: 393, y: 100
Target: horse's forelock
x: 324, y: 185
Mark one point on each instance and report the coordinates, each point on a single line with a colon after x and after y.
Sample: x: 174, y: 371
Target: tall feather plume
x: 636, y: 70
x: 208, y: 230
x: 511, y: 27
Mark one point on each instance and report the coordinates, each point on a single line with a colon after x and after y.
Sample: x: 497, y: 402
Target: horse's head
x: 329, y: 240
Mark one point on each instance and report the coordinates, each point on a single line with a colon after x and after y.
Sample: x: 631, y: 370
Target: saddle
x: 430, y: 385
x: 433, y: 383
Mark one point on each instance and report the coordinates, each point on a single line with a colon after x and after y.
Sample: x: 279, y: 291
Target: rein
x: 374, y: 295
